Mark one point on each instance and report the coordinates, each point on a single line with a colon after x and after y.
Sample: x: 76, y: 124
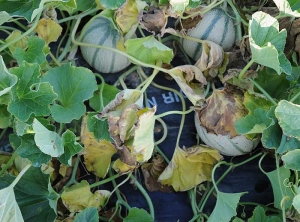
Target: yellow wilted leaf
x: 22, y: 43
x: 78, y: 197
x: 121, y: 167
x: 48, y: 30
x: 190, y: 167
x: 97, y: 155
x: 127, y: 16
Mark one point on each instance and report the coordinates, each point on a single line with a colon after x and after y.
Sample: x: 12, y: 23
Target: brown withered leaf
x: 151, y: 172
x: 154, y: 20
x: 212, y: 56
x: 223, y: 108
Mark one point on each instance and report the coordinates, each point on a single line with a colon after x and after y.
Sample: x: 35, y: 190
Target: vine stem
x: 244, y: 70
x: 295, y: 97
x: 7, y: 165
x: 3, y: 133
x: 165, y: 131
x: 105, y: 181
x: 282, y: 203
x: 101, y: 91
x: 73, y: 176
x: 174, y: 112
x: 231, y: 166
x: 145, y: 194
x: 150, y: 79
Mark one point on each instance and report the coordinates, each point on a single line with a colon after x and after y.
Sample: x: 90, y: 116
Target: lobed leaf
x: 73, y: 86
x: 35, y: 52
x: 30, y: 95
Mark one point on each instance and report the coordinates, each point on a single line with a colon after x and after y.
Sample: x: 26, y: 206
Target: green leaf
x: 225, y: 207
x: 47, y: 141
x: 292, y: 160
x: 285, y: 8
x: 278, y: 185
x: 28, y: 149
x: 71, y: 147
x: 260, y: 215
x: 295, y: 4
x: 267, y: 42
x: 274, y: 84
x: 34, y: 194
x: 7, y: 80
x: 4, y: 17
x: 271, y: 136
x: 112, y: 4
x: 137, y: 215
x: 255, y: 123
x: 109, y: 92
x: 99, y: 127
x: 5, y: 117
x: 288, y: 115
x: 30, y: 95
x: 73, y: 86
x: 149, y: 50
x: 34, y: 53
x: 296, y: 201
x: 9, y: 209
x: 89, y: 214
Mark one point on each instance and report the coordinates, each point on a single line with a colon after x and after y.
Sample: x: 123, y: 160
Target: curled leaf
x: 212, y: 56
x: 190, y: 167
x: 154, y: 20
x: 48, y: 30
x: 191, y: 81
x: 79, y: 197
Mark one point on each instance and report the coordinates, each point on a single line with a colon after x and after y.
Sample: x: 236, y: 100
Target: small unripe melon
x: 101, y: 31
x: 215, y: 26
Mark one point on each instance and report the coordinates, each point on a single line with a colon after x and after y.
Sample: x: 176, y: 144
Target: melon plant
x: 215, y: 123
x: 215, y: 26
x: 102, y: 31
